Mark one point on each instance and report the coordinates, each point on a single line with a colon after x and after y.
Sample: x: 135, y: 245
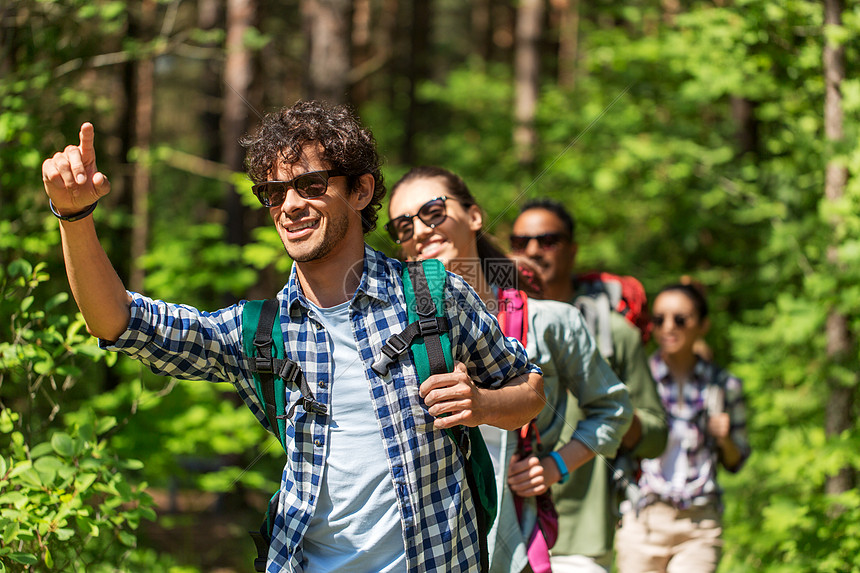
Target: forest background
x: 716, y: 139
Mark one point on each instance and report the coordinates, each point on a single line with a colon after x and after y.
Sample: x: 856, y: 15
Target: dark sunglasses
x: 546, y: 241
x: 431, y: 214
x: 680, y: 320
x: 307, y: 185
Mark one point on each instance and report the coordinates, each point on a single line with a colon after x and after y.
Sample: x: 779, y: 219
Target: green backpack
x: 427, y: 338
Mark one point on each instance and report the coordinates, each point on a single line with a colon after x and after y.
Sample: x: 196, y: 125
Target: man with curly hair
x: 371, y: 482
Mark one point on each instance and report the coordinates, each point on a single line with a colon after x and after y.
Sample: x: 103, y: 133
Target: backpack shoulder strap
x: 596, y: 310
x: 424, y: 288
x: 424, y: 285
x: 715, y: 392
x: 513, y: 314
x: 427, y: 338
x: 263, y: 343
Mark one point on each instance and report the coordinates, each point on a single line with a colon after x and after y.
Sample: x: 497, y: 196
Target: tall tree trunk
x: 527, y: 79
x: 419, y: 70
x: 746, y: 125
x: 326, y: 26
x: 482, y: 29
x: 391, y: 32
x: 210, y: 16
x: 235, y: 117
x: 142, y: 141
x: 840, y: 402
x: 568, y: 41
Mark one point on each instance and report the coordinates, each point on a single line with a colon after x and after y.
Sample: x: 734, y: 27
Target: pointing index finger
x: 87, y: 135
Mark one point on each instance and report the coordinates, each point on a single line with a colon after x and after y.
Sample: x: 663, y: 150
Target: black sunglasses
x: 431, y: 214
x: 546, y: 241
x: 307, y: 185
x: 680, y: 320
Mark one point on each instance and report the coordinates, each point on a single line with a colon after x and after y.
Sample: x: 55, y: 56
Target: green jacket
x: 587, y: 518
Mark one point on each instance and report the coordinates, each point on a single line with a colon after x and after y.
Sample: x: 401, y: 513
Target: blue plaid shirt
x: 437, y: 513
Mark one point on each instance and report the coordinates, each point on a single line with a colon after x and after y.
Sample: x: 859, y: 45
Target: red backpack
x: 625, y: 293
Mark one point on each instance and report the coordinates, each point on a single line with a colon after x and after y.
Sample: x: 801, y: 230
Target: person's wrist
x: 72, y: 217
x: 562, y: 467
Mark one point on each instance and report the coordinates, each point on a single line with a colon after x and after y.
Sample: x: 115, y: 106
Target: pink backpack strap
x: 513, y: 314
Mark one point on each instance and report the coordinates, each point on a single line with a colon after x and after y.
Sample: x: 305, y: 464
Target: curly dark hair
x: 346, y: 145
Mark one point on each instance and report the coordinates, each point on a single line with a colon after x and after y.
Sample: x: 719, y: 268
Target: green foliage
x: 66, y: 498
x: 642, y: 147
x: 65, y: 502
x: 644, y: 151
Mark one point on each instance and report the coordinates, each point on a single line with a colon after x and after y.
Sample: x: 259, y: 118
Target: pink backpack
x: 513, y: 319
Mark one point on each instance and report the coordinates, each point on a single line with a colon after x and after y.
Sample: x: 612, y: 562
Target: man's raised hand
x: 72, y: 180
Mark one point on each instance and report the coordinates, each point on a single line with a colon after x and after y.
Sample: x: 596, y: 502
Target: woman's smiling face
x: 453, y: 238
x: 677, y: 324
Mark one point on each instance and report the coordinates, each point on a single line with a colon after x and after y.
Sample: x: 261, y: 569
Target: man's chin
x: 305, y: 255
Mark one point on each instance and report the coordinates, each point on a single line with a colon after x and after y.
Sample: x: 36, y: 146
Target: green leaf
x: 43, y: 366
x: 84, y: 481
x: 40, y: 450
x: 7, y: 420
x: 127, y: 539
x: 64, y: 534
x: 25, y: 558
x: 20, y: 267
x: 56, y: 300
x: 20, y: 467
x: 48, y: 466
x: 2, y: 466
x: 105, y: 424
x: 62, y: 444
x: 15, y: 498
x: 131, y: 464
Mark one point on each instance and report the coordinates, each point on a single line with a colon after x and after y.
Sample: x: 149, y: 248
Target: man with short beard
x: 588, y: 504
x: 371, y: 481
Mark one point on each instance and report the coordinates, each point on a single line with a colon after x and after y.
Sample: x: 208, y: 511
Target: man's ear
x: 362, y: 193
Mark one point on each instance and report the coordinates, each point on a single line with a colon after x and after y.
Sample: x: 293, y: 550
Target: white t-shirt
x: 356, y: 526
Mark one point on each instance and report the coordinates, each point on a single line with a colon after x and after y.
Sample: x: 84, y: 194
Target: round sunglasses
x: 307, y: 185
x: 431, y: 213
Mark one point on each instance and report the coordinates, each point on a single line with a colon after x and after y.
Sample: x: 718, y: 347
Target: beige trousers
x: 663, y: 539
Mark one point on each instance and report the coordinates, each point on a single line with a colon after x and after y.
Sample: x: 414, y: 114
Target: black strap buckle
x: 263, y: 365
x: 428, y: 326
x: 290, y: 372
x: 314, y: 407
x: 393, y: 347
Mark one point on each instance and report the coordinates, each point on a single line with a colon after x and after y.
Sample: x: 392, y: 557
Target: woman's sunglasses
x: 307, y: 185
x: 546, y: 241
x: 680, y: 320
x: 431, y: 214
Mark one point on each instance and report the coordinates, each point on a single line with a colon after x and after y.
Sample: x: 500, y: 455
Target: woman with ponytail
x: 434, y: 215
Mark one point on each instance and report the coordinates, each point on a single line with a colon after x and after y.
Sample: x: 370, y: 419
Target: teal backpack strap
x: 272, y: 370
x: 263, y: 344
x: 424, y: 285
x: 430, y: 345
x: 427, y: 326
